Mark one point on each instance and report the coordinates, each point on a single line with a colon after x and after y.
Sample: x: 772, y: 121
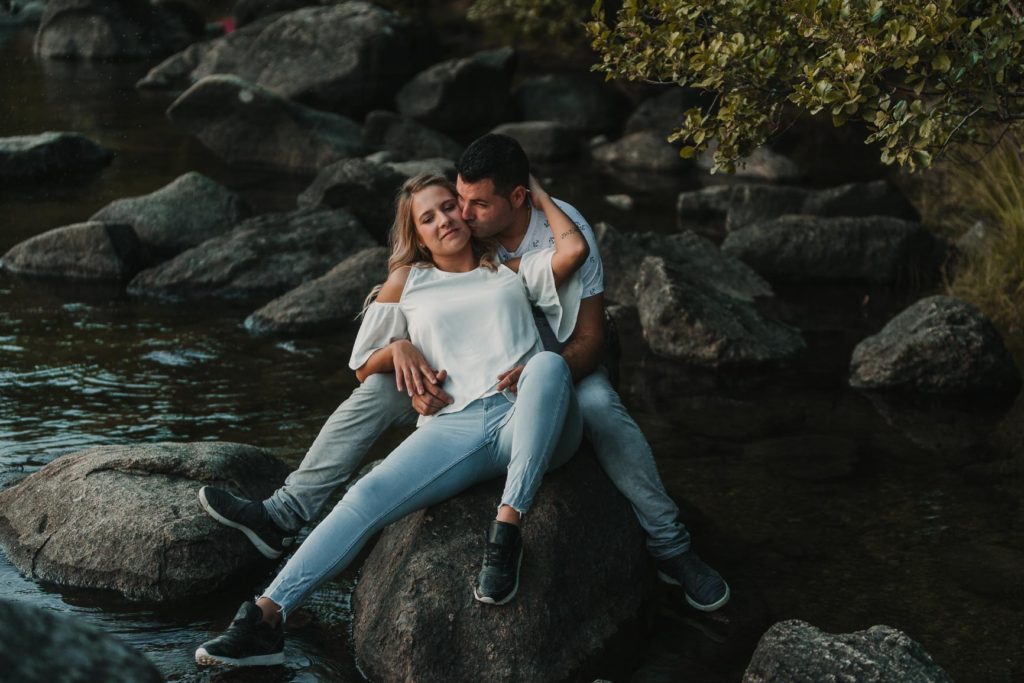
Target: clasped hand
x: 414, y: 376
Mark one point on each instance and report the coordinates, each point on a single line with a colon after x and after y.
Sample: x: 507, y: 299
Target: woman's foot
x: 248, y: 641
x: 499, y: 577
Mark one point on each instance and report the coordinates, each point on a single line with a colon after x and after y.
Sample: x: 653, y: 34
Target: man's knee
x: 596, y: 395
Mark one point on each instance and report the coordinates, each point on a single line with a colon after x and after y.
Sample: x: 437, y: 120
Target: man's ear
x: 518, y: 197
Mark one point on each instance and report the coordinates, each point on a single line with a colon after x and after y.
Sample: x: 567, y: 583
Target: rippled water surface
x: 815, y: 501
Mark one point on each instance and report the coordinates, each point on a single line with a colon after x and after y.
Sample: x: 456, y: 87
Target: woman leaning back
x: 449, y: 305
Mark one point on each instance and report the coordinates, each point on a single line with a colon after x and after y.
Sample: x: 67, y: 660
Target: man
x: 493, y: 176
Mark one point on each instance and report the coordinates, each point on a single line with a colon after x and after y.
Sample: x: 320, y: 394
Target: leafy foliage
x: 538, y: 20
x: 921, y: 76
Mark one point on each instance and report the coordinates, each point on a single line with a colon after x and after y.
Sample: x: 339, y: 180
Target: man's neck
x: 512, y: 237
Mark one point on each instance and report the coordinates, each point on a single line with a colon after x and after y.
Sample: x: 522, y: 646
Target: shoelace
x: 496, y: 554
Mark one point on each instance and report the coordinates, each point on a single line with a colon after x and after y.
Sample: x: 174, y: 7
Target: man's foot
x: 249, y: 517
x: 499, y: 577
x: 248, y: 641
x: 705, y: 589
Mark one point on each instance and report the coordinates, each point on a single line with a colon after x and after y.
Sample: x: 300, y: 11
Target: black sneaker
x: 249, y: 517
x: 499, y: 578
x: 705, y: 589
x: 248, y: 641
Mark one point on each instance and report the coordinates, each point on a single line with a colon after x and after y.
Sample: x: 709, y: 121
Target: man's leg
x: 373, y: 407
x: 626, y: 457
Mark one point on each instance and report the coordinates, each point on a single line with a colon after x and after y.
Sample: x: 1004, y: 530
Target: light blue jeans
x: 489, y: 438
x: 376, y: 406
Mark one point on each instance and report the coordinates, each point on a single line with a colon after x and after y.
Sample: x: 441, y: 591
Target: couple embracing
x: 488, y: 334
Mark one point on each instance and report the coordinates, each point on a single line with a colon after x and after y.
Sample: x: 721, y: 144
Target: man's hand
x: 510, y: 379
x: 412, y: 371
x: 434, y: 398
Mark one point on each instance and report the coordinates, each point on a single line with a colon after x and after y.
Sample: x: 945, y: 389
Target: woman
x: 448, y: 305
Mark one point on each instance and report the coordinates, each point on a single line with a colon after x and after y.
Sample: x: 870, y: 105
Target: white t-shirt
x: 475, y: 325
x: 538, y: 236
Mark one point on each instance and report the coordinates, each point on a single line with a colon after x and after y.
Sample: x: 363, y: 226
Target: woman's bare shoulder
x: 393, y: 287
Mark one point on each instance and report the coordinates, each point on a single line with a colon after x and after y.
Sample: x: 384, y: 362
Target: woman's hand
x: 538, y: 194
x: 411, y: 369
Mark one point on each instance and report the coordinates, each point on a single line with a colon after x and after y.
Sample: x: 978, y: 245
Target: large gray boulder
x: 763, y: 163
x: 21, y: 12
x: 246, y: 12
x: 112, y: 29
x: 409, y: 139
x: 83, y: 251
x: 415, y: 617
x: 363, y: 187
x: 246, y: 124
x: 581, y: 103
x: 795, y: 652
x: 50, y: 155
x: 645, y: 150
x: 939, y: 345
x: 182, y: 214
x: 544, y: 140
x: 704, y: 264
x: 127, y: 519
x: 262, y: 257
x: 348, y: 57
x: 460, y: 95
x: 328, y: 303
x: 662, y: 113
x: 876, y: 249
x: 703, y: 326
x: 758, y: 203
x: 41, y: 645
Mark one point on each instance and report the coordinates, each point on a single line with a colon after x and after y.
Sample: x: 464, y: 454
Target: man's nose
x: 466, y: 211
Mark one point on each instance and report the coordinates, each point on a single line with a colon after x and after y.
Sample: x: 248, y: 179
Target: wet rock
x: 704, y: 204
x: 412, y: 140
x: 83, y: 251
x: 460, y: 95
x: 544, y: 140
x: 580, y: 103
x: 806, y: 457
x: 762, y: 164
x: 796, y: 651
x: 182, y: 214
x: 758, y: 203
x: 622, y: 202
x: 327, y: 303
x: 41, y: 645
x: 415, y: 617
x: 940, y: 345
x: 662, y: 113
x: 703, y: 326
x: 20, y: 12
x: 247, y: 11
x: 111, y: 29
x: 408, y: 169
x: 363, y: 187
x: 644, y: 151
x: 989, y: 569
x: 245, y: 124
x: 875, y: 249
x: 347, y: 57
x: 262, y: 257
x: 50, y: 155
x: 126, y: 518
x: 701, y: 261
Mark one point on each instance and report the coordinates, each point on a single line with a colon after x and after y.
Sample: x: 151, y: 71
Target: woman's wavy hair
x: 406, y: 249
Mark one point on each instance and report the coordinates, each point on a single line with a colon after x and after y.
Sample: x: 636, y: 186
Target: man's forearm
x: 583, y: 356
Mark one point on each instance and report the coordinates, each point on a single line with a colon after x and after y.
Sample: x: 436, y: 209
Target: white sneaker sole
x: 508, y: 598
x: 264, y: 549
x: 204, y: 658
x: 693, y: 603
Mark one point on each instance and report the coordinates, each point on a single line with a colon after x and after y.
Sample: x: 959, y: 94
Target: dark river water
x: 816, y: 502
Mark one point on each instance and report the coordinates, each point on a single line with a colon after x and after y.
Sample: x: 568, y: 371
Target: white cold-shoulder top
x: 475, y: 325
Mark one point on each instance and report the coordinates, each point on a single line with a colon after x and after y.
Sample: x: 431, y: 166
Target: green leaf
x: 687, y: 152
x: 941, y: 62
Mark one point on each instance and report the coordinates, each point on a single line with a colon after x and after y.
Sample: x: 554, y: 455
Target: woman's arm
x: 400, y: 356
x: 571, y: 248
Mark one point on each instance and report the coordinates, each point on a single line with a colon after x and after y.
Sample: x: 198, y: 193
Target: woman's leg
x: 442, y: 458
x: 544, y: 431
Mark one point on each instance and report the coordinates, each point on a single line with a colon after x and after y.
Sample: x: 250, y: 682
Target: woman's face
x: 439, y: 224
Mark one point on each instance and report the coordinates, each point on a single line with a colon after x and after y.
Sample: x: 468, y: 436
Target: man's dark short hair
x: 497, y: 157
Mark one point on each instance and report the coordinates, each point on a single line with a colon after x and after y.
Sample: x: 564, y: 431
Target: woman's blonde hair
x: 406, y: 249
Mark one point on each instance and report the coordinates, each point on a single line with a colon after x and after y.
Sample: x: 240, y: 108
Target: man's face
x: 487, y: 213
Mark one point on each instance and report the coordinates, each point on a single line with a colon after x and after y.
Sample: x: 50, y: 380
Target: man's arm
x: 585, y: 347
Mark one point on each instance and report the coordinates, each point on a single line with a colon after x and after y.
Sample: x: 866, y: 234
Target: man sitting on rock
x: 493, y: 177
